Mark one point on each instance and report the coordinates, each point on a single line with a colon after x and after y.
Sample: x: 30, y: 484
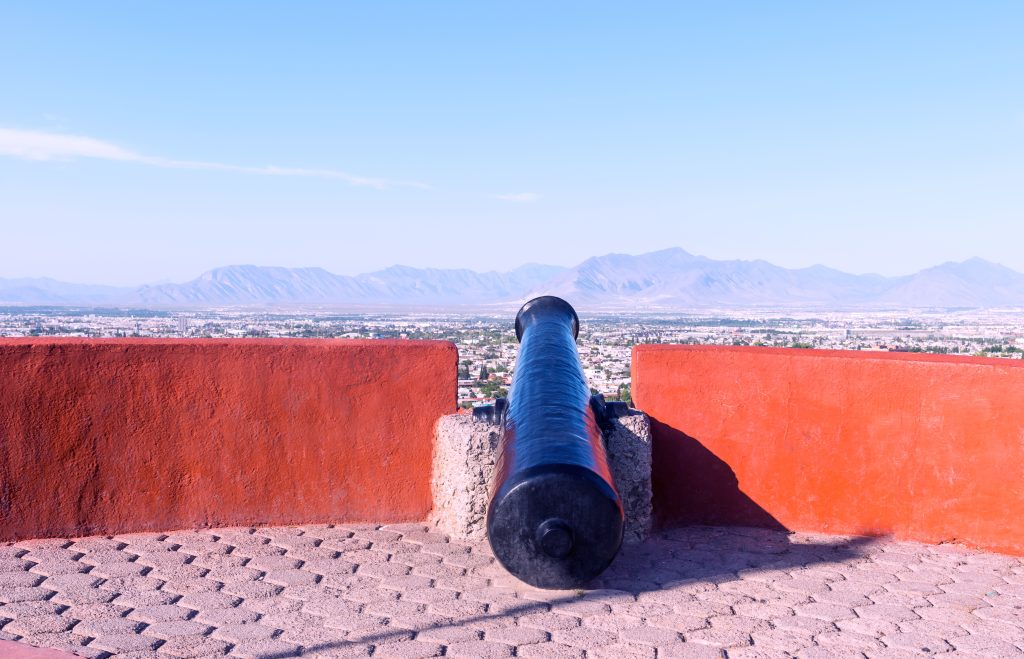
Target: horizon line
x: 524, y: 265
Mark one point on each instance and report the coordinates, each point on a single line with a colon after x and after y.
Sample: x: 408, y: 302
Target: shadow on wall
x: 694, y: 486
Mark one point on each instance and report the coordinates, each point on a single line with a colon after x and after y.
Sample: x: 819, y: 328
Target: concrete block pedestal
x: 464, y: 457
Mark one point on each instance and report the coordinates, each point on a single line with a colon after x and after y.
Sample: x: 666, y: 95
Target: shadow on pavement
x: 678, y: 558
x: 719, y: 555
x: 691, y: 486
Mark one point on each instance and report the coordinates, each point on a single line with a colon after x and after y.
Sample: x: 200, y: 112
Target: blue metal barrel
x: 555, y: 519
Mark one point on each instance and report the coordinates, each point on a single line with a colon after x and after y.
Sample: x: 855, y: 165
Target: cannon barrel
x: 554, y: 519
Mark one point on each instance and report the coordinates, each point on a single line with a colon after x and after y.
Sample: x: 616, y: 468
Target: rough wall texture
x: 464, y: 456
x: 629, y: 456
x: 922, y: 447
x: 101, y: 436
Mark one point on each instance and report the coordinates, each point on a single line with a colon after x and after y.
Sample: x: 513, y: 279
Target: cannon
x: 554, y: 519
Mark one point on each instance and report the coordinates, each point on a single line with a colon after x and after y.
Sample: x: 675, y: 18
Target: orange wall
x: 103, y: 436
x: 924, y: 447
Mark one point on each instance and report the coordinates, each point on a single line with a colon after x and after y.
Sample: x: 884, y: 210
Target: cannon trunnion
x: 554, y: 519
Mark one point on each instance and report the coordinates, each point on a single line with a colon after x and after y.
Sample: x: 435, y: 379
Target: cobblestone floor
x: 402, y: 591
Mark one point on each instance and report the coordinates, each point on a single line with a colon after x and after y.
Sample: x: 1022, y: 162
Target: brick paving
x: 404, y: 591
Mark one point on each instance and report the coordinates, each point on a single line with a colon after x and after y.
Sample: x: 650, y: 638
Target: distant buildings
x: 488, y: 348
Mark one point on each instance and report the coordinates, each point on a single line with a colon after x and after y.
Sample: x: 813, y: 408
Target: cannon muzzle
x: 555, y: 519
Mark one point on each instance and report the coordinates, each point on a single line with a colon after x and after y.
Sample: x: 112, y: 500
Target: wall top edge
x: 222, y: 342
x: 646, y: 349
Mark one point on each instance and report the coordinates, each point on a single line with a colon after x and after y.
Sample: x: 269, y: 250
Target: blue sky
x: 144, y: 142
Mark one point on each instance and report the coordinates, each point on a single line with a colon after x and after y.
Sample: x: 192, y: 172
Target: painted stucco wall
x: 923, y: 447
x: 103, y: 436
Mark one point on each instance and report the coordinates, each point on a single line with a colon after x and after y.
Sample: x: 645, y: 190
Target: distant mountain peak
x: 670, y: 278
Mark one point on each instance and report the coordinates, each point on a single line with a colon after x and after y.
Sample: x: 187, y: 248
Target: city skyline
x: 149, y: 144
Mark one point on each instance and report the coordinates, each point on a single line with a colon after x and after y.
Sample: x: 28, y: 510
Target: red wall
x: 923, y: 447
x: 103, y: 436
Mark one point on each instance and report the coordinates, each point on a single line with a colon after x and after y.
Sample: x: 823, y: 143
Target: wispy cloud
x: 519, y: 197
x: 39, y: 145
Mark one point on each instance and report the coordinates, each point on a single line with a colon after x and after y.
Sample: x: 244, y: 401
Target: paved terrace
x: 402, y: 591
x: 126, y: 436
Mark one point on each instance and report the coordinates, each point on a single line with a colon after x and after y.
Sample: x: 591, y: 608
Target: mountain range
x: 663, y: 280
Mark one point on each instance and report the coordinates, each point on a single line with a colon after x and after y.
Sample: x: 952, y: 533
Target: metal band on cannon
x: 555, y: 519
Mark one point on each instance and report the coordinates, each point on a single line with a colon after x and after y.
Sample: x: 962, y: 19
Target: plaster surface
x: 923, y: 447
x: 107, y: 436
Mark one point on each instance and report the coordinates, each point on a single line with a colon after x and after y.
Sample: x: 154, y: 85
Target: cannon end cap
x: 546, y: 303
x: 555, y: 537
x: 555, y: 525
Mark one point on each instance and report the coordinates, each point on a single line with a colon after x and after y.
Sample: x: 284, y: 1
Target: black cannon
x: 555, y: 519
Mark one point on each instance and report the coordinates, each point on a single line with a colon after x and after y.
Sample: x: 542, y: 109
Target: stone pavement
x: 403, y: 591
